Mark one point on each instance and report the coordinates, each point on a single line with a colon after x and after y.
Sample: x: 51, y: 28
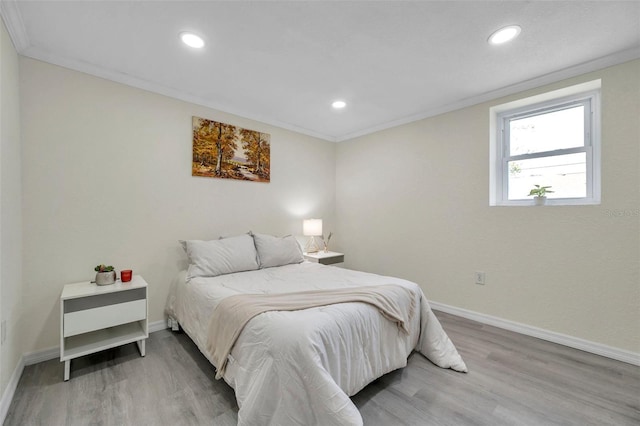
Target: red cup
x: 125, y: 275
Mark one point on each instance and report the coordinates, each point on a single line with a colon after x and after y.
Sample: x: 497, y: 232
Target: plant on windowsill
x: 105, y: 274
x: 539, y: 194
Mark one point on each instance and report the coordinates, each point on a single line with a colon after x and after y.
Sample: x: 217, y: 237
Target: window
x: 548, y: 140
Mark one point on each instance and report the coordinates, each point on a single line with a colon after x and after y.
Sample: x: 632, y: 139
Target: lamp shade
x: 312, y: 227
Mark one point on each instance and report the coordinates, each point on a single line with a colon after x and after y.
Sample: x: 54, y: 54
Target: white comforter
x: 299, y: 368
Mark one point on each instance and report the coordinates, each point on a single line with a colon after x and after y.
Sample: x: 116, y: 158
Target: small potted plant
x: 540, y: 194
x: 105, y: 275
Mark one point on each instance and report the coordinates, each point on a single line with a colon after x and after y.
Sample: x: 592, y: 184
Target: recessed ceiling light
x: 339, y: 104
x: 505, y: 34
x: 192, y: 40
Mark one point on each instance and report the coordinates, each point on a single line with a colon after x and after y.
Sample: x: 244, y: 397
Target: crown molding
x: 151, y: 86
x: 554, y: 77
x: 15, y: 26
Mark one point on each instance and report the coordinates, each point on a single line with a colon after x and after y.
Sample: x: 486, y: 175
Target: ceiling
x: 283, y: 63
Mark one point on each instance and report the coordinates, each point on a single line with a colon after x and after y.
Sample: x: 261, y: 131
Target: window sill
x: 549, y: 203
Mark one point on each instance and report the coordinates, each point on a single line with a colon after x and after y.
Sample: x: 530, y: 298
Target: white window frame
x: 587, y: 94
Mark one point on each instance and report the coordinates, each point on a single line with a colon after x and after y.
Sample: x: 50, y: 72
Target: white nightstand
x: 327, y: 258
x: 94, y: 318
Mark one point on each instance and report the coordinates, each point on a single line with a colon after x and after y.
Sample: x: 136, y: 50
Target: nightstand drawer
x: 98, y: 300
x: 87, y: 320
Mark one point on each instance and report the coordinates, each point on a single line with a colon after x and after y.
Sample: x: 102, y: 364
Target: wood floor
x: 512, y: 380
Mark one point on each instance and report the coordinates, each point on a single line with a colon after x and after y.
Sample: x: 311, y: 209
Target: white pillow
x: 218, y: 257
x: 183, y: 243
x: 277, y: 251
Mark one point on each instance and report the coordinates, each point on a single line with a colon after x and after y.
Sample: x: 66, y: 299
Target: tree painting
x: 225, y: 151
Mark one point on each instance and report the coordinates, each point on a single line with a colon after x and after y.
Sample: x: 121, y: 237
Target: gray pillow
x: 218, y: 257
x: 277, y: 251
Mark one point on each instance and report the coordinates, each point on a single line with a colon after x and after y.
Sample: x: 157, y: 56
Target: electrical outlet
x: 3, y: 333
x: 480, y: 278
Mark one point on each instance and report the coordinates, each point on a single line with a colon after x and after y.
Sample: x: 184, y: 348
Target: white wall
x: 107, y: 179
x: 10, y: 209
x: 413, y: 201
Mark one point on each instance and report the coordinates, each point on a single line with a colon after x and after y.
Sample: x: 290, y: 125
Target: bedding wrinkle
x: 232, y: 313
x: 283, y: 400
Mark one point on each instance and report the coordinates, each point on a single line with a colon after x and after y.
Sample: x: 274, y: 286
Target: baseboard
x: 10, y: 390
x: 551, y: 336
x: 51, y: 353
x: 31, y: 358
x: 157, y: 326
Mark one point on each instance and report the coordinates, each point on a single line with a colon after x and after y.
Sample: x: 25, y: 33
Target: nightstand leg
x: 141, y: 347
x: 67, y: 368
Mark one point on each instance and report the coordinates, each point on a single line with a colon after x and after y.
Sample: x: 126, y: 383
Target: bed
x: 299, y: 367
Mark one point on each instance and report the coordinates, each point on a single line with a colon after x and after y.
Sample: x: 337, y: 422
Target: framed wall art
x: 222, y: 150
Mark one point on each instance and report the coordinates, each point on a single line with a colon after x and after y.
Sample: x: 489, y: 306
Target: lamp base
x: 311, y: 246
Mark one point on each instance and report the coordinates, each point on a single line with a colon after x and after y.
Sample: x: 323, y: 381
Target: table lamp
x: 312, y: 228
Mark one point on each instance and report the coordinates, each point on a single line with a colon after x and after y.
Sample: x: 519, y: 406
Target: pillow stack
x: 246, y: 252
